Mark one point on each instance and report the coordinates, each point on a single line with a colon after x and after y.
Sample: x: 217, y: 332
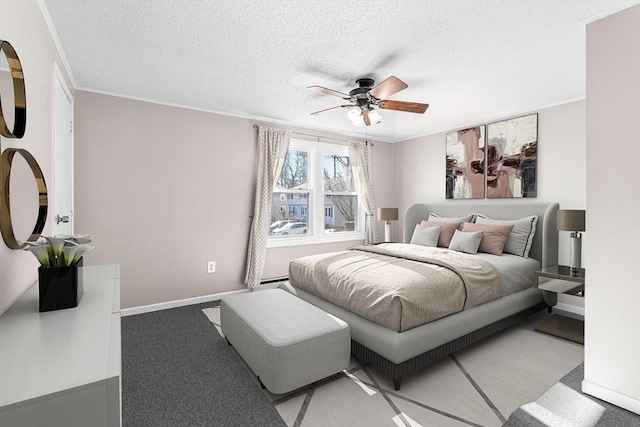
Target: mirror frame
x: 19, y: 94
x: 6, y: 226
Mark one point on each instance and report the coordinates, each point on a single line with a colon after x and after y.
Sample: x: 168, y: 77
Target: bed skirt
x: 399, y: 353
x: 397, y: 371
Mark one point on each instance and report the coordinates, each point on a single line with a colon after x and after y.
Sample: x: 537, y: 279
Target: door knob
x: 60, y: 219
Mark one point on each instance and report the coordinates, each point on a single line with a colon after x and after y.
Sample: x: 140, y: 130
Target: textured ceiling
x: 472, y: 61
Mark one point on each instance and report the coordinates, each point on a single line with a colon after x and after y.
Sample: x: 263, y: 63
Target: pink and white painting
x: 465, y: 164
x: 512, y: 154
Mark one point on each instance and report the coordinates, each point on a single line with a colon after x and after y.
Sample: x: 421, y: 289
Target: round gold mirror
x: 23, y: 200
x: 12, y: 110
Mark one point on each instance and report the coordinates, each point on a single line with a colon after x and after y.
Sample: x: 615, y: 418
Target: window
x: 314, y: 199
x: 341, y: 202
x: 290, y: 201
x: 328, y: 213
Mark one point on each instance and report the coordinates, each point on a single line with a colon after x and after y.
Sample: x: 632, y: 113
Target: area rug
x: 564, y: 404
x: 478, y: 386
x: 213, y: 314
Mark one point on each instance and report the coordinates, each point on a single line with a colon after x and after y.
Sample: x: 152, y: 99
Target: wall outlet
x: 211, y: 267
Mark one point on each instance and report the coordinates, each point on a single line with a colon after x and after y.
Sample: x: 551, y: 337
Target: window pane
x: 294, y: 171
x: 289, y: 214
x: 337, y: 173
x: 340, y: 213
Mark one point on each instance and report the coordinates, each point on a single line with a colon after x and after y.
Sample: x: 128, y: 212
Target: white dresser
x: 62, y: 368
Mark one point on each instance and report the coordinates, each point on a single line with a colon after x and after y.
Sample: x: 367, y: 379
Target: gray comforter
x: 399, y: 286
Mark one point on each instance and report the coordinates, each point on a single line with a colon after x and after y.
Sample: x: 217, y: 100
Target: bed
x: 399, y: 349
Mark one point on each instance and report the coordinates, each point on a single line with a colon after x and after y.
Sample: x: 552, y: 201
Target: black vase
x: 60, y: 287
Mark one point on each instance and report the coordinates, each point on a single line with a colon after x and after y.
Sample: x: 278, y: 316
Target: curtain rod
x: 317, y: 136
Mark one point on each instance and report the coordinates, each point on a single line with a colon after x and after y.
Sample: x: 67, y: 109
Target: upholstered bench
x: 287, y: 342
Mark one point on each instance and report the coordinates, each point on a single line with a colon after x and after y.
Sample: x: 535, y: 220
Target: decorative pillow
x: 446, y: 233
x: 435, y: 217
x: 426, y: 236
x: 467, y: 242
x: 521, y: 237
x: 494, y: 238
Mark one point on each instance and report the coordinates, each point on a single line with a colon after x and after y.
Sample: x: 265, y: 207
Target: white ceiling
x: 472, y: 61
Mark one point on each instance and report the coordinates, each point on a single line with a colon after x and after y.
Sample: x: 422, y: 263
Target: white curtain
x: 360, y: 155
x: 272, y: 150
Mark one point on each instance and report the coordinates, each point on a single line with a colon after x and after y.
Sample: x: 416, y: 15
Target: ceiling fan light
x: 358, y: 122
x: 374, y: 117
x: 355, y: 116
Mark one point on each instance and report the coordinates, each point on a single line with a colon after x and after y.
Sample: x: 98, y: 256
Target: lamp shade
x: 374, y: 117
x: 355, y: 116
x: 388, y: 214
x: 571, y: 220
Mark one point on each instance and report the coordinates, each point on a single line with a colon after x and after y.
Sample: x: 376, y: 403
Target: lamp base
x: 575, y: 254
x: 387, y: 231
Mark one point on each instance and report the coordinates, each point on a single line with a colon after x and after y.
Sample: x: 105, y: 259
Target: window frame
x: 316, y: 208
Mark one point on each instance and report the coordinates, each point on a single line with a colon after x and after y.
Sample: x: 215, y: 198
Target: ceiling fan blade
x: 365, y: 117
x: 388, y: 87
x: 329, y: 110
x: 409, y: 107
x: 324, y: 90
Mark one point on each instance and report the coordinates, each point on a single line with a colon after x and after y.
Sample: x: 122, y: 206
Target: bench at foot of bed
x: 287, y: 342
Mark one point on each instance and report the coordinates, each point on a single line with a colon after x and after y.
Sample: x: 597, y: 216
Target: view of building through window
x: 295, y: 204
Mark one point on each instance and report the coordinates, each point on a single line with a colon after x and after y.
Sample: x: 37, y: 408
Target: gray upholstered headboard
x: 545, y: 241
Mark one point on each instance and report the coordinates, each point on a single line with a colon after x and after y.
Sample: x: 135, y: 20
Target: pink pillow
x: 448, y: 228
x: 494, y: 237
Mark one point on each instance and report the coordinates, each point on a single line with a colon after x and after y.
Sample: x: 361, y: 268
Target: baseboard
x: 178, y: 303
x: 613, y: 397
x: 569, y: 308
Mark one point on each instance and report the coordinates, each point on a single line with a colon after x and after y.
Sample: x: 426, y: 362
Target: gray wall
x: 166, y: 189
x: 612, y: 340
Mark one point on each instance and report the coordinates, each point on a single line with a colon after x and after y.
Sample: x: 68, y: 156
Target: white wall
x: 612, y: 330
x: 420, y: 170
x: 22, y: 25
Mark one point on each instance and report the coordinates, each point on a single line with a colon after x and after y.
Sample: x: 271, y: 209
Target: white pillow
x: 467, y: 242
x: 425, y: 236
x: 435, y: 217
x: 521, y: 237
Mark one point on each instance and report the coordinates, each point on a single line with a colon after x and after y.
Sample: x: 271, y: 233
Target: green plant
x: 60, y: 250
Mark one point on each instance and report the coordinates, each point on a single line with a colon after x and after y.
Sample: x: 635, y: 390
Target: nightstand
x: 560, y: 279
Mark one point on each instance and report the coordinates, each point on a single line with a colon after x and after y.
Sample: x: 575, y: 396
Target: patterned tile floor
x: 478, y: 386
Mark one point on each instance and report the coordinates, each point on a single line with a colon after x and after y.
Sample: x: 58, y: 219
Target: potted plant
x: 60, y: 272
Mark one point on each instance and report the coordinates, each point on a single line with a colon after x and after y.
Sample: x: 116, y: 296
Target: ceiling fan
x: 365, y: 97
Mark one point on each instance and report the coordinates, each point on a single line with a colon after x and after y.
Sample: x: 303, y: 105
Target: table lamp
x: 574, y: 221
x: 387, y: 215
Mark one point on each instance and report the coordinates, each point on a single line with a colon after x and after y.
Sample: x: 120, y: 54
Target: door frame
x: 58, y: 78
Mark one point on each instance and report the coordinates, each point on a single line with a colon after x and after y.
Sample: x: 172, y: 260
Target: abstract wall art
x: 512, y: 154
x: 465, y: 164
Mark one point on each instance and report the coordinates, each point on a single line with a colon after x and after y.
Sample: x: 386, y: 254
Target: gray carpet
x: 565, y: 404
x: 173, y: 378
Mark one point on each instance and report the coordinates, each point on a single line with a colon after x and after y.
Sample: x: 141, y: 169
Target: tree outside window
x: 315, y: 194
x: 339, y: 188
